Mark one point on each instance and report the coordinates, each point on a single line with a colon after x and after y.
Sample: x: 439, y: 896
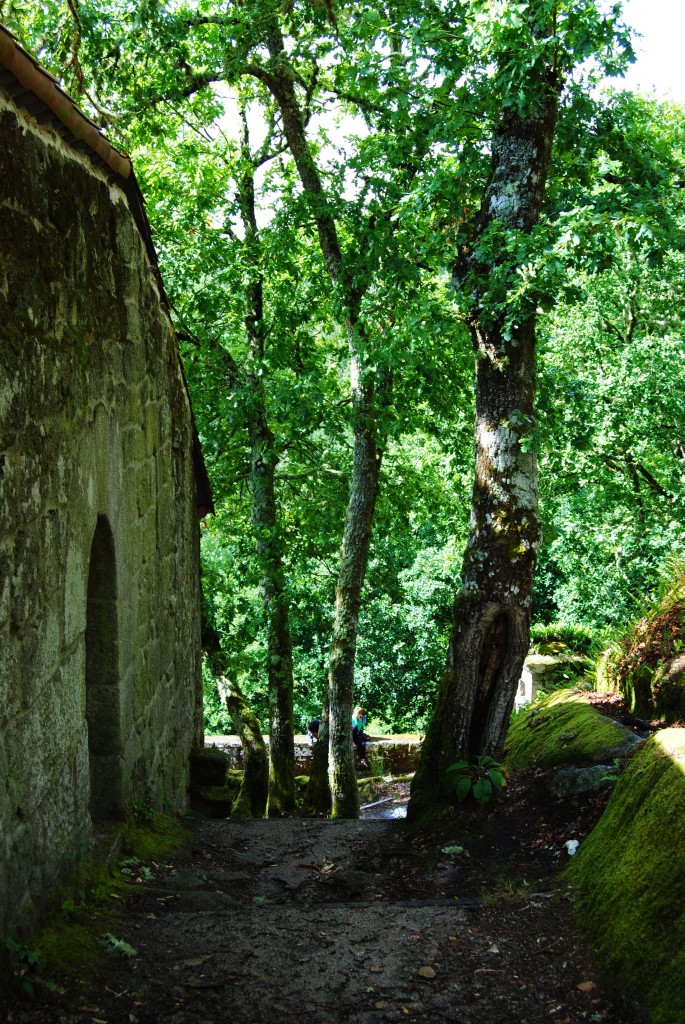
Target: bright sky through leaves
x: 659, y: 65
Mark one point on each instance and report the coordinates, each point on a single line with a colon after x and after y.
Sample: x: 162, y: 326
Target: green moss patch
x: 629, y: 880
x: 71, y: 942
x: 562, y: 729
x: 71, y: 945
x: 154, y: 836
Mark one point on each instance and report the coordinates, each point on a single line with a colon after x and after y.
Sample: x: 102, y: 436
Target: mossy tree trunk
x: 263, y: 462
x: 491, y: 617
x: 318, y: 795
x: 280, y: 80
x: 353, y: 561
x: 252, y: 796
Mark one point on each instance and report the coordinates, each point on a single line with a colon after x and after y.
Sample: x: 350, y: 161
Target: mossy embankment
x: 628, y: 880
x: 562, y: 729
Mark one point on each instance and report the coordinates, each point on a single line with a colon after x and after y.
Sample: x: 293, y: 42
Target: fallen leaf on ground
x: 206, y: 982
x: 587, y: 986
x: 426, y: 972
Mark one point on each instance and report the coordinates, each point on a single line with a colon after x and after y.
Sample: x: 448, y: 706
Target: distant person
x: 359, y: 737
x: 313, y: 731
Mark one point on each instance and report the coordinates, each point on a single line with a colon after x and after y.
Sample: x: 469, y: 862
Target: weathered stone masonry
x: 100, y: 696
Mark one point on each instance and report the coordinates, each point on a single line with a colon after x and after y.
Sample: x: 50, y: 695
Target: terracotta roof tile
x: 32, y: 80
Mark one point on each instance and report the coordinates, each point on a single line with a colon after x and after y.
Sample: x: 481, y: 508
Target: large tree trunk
x: 263, y: 461
x: 491, y: 620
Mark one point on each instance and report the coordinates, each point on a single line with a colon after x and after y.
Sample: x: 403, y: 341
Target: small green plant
x: 117, y: 947
x: 142, y: 814
x: 612, y: 775
x: 477, y: 778
x: 573, y: 636
x: 25, y: 964
x: 455, y: 851
x: 376, y: 763
x: 133, y: 868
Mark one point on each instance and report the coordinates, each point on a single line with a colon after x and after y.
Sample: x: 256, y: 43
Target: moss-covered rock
x: 629, y: 880
x: 153, y: 836
x: 564, y: 729
x: 208, y: 767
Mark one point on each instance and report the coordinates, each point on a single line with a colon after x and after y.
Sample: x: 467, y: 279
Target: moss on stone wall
x: 562, y: 729
x: 629, y: 880
x: 95, y: 431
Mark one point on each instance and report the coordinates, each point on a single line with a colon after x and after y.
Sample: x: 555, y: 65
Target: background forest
x: 398, y: 106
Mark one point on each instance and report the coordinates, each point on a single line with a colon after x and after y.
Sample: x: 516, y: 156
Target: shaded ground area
x: 357, y: 922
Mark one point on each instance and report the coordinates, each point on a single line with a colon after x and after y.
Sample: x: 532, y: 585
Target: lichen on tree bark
x: 491, y: 615
x: 280, y: 80
x: 263, y: 462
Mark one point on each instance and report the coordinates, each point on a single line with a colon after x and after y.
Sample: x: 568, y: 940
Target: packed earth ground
x: 467, y: 921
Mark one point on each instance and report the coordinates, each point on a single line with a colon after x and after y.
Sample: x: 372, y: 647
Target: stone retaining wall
x: 400, y: 753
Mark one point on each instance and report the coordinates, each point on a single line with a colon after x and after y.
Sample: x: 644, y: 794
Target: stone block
x: 6, y: 566
x: 28, y: 577
x: 144, y: 487
x: 134, y: 447
x: 75, y: 592
x: 208, y: 767
x: 40, y: 643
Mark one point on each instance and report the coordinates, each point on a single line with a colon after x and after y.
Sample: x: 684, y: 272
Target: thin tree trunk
x: 353, y: 561
x: 367, y: 455
x: 491, y: 618
x: 263, y: 462
x: 252, y: 796
x: 279, y: 648
x: 318, y: 794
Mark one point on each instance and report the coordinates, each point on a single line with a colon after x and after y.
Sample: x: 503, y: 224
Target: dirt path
x: 334, y: 922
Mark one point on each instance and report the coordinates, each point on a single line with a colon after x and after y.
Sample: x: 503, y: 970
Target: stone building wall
x: 99, y: 564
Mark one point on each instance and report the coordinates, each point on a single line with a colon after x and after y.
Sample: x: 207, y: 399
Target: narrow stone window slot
x: 103, y: 703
